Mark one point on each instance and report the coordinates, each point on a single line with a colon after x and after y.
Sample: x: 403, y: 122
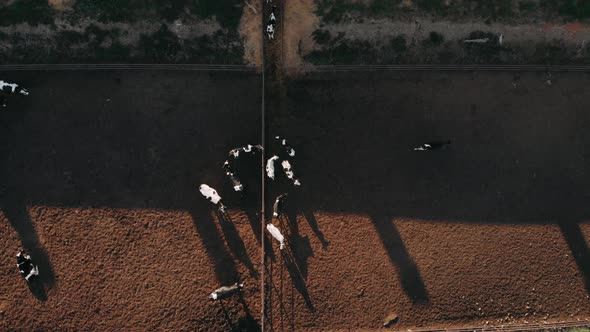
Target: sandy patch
x: 62, y: 5
x: 250, y: 30
x: 300, y: 23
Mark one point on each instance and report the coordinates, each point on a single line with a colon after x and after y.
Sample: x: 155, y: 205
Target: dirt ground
x: 491, y: 231
x: 99, y: 179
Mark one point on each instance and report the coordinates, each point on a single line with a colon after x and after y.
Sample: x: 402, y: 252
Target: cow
x: 289, y: 172
x: 25, y: 266
x: 277, y: 208
x: 274, y: 231
x: 270, y: 30
x: 272, y: 18
x: 270, y: 167
x: 235, y: 153
x: 288, y: 148
x: 212, y: 196
x: 225, y: 291
x: 14, y: 88
x: 232, y: 176
x: 432, y: 145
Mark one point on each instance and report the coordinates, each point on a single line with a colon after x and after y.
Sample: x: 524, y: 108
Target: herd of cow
x: 282, y: 157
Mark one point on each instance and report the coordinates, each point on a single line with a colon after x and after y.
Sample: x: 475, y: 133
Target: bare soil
x: 251, y: 31
x: 300, y: 23
x: 99, y: 181
x: 490, y: 231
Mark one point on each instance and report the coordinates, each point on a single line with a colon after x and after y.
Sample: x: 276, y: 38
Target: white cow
x: 225, y: 291
x: 270, y: 167
x: 212, y: 196
x: 276, y: 234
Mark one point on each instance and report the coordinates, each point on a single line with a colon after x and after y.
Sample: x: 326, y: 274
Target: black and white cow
x: 289, y: 172
x: 235, y: 153
x: 232, y: 176
x: 26, y: 267
x: 10, y: 88
x: 272, y: 18
x: 270, y: 30
x: 432, y: 146
x: 288, y: 148
x: 277, y: 208
x: 225, y: 291
x: 212, y: 196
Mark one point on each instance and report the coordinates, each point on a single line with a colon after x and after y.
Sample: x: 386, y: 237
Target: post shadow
x: 248, y: 322
x: 298, y: 199
x: 295, y: 255
x: 228, y: 321
x: 225, y: 268
x: 297, y: 276
x: 234, y: 242
x: 279, y: 295
x: 313, y: 224
x: 16, y: 212
x: 409, y: 276
x: 299, y: 246
x: 575, y: 240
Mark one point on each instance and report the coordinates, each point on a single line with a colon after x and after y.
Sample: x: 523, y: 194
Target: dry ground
x: 99, y: 173
x: 488, y: 232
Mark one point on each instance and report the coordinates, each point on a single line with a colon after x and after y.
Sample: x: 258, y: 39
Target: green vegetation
x: 162, y: 46
x: 321, y: 37
x: 336, y: 10
x: 434, y: 39
x: 33, y: 12
x: 398, y: 44
x: 339, y: 50
x: 108, y: 45
x: 433, y: 49
x: 105, y: 46
x: 227, y: 12
x: 579, y: 9
x: 490, y: 52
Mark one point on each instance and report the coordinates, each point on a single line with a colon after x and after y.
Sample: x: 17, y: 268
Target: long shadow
x: 297, y: 277
x: 225, y: 268
x: 299, y: 246
x: 297, y: 202
x: 409, y: 275
x: 247, y: 322
x: 16, y: 212
x: 234, y: 242
x: 313, y: 224
x: 296, y: 253
x: 579, y: 247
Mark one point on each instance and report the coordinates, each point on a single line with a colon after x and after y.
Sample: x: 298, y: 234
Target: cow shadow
x: 224, y: 266
x: 15, y: 210
x: 235, y: 242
